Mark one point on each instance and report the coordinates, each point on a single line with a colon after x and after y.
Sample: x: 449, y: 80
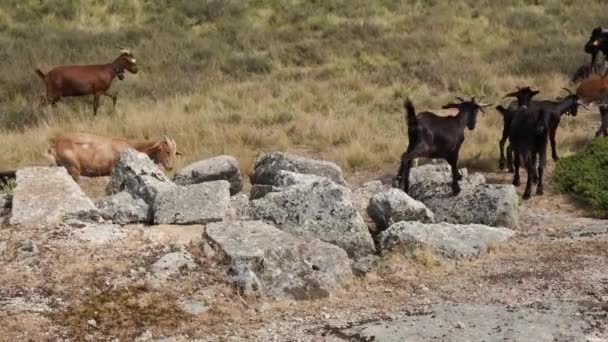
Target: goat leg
x: 95, y: 103
x: 456, y: 176
x: 501, y: 147
x: 553, y: 148
x: 530, y: 167
x: 510, y: 158
x: 516, y: 180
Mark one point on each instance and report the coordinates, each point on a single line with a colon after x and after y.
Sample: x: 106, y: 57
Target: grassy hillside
x: 323, y: 77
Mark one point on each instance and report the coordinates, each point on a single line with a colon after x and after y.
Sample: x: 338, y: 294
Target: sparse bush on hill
x: 586, y: 175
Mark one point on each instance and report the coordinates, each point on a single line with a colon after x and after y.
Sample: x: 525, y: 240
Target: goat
x: 528, y: 135
x: 594, y: 89
x: 523, y: 96
x: 92, y: 155
x: 80, y: 80
x: 433, y: 136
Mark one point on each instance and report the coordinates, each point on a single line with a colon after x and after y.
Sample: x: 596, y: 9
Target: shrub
x: 585, y: 175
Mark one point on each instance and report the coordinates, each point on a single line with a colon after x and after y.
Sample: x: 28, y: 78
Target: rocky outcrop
x: 46, y: 195
x: 137, y: 175
x: 266, y: 168
x: 240, y: 208
x: 321, y: 209
x: 450, y: 240
x: 173, y: 263
x: 268, y: 261
x: 173, y: 234
x: 361, y: 197
x: 194, y: 204
x: 222, y: 167
x: 123, y: 209
x: 490, y: 204
x: 392, y: 206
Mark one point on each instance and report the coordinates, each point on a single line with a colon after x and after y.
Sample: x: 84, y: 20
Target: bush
x: 586, y: 175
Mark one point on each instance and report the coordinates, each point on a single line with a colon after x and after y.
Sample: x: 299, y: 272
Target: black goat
x: 434, y: 136
x: 555, y: 109
x: 524, y: 97
x: 598, y: 42
x: 528, y: 135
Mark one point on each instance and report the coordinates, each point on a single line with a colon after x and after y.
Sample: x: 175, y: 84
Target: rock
x: 123, y: 209
x: 361, y: 197
x: 193, y: 307
x: 222, y: 167
x: 288, y: 178
x: 364, y: 265
x: 261, y: 190
x: 46, y: 195
x: 450, y: 240
x: 137, y: 174
x: 394, y: 205
x: 92, y: 323
x: 266, y: 260
x: 240, y: 208
x: 267, y: 167
x: 478, y: 202
x: 95, y: 233
x: 322, y: 209
x: 193, y: 204
x: 173, y: 263
x: 170, y: 234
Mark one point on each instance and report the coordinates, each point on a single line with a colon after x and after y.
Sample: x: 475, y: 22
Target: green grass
x: 585, y: 175
x: 318, y: 77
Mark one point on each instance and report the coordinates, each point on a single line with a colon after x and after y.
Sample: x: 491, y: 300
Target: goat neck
x: 147, y: 147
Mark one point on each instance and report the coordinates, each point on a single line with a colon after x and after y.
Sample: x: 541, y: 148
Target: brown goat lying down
x: 92, y: 155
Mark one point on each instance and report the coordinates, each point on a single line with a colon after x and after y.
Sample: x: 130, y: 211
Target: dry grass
x: 244, y: 77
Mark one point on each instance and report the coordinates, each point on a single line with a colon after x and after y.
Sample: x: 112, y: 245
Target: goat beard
x: 121, y: 75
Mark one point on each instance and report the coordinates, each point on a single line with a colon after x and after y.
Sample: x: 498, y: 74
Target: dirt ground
x: 554, y: 272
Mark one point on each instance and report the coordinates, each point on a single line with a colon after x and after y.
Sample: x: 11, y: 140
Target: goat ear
x: 450, y: 105
x: 535, y: 92
x: 178, y: 153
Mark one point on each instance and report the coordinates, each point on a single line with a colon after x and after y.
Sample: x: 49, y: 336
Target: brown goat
x: 80, y: 80
x: 595, y: 89
x: 92, y: 155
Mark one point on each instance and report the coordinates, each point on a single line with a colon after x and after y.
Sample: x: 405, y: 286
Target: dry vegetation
x: 319, y: 77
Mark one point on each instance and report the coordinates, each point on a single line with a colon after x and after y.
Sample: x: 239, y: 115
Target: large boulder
x: 361, y: 197
x: 453, y: 241
x: 137, y: 174
x: 490, y: 204
x: 123, y: 209
x: 394, y: 205
x: 222, y: 167
x: 322, y: 209
x: 240, y: 208
x: 193, y: 204
x: 276, y: 264
x: 267, y: 167
x: 47, y: 195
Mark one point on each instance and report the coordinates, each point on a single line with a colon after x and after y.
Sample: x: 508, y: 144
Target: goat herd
x: 528, y: 124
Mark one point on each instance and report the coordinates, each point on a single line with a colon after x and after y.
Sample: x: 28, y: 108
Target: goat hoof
x: 555, y: 158
x: 526, y: 195
x: 516, y: 182
x: 540, y: 191
x: 459, y: 177
x: 455, y: 191
x: 511, y: 170
x: 501, y: 166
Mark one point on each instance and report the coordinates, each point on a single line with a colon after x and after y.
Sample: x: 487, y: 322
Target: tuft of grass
x: 584, y: 175
x: 8, y: 186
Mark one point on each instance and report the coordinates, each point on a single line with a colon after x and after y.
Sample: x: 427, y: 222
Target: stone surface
x: 240, y: 208
x: 122, y: 208
x: 95, y: 233
x: 475, y: 322
x: 193, y: 204
x: 274, y: 263
x: 222, y: 167
x: 267, y: 167
x: 173, y: 263
x: 173, y: 234
x: 490, y: 204
x: 45, y: 195
x: 361, y: 197
x: 137, y: 174
x: 193, y: 307
x: 453, y: 241
x: 321, y: 209
x: 394, y: 205
x: 261, y: 190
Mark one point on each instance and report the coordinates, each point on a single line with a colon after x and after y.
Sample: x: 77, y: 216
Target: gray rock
x: 261, y: 190
x: 490, y: 204
x: 46, y: 195
x: 172, y: 234
x: 123, y: 208
x: 450, y: 240
x: 173, y: 263
x: 282, y: 180
x: 193, y: 204
x: 222, y: 167
x: 364, y: 265
x: 193, y: 307
x: 394, y: 205
x: 267, y: 167
x: 274, y: 263
x: 361, y: 197
x: 322, y: 210
x: 95, y: 233
x: 137, y: 174
x: 240, y: 208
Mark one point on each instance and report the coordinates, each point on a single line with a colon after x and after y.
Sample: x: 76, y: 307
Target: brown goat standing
x: 80, y: 80
x: 595, y: 89
x: 92, y: 155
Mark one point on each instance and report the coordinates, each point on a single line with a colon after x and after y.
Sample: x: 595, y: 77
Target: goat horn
x: 568, y: 90
x: 123, y: 50
x: 460, y: 99
x: 473, y: 99
x: 580, y: 103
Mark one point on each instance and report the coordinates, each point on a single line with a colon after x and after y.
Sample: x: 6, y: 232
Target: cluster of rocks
x: 300, y: 231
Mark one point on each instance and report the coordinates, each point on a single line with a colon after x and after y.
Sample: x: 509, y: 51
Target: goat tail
x: 410, y: 115
x: 40, y: 74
